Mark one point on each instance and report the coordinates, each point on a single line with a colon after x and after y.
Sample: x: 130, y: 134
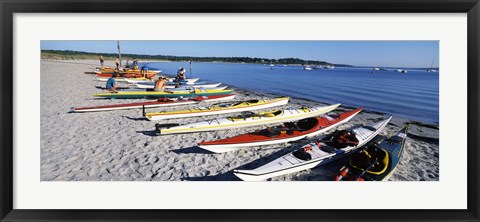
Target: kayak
x: 375, y: 162
x: 212, y: 85
x: 118, y: 87
x: 111, y: 70
x: 127, y: 74
x: 327, y: 149
x: 146, y: 81
x: 287, y: 132
x: 152, y: 104
x: 187, y: 80
x: 191, y: 93
x: 192, y: 88
x: 119, y: 79
x: 247, y: 119
x: 220, y: 108
x: 173, y: 84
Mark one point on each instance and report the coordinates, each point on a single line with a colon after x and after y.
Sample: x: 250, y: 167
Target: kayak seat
x: 271, y: 114
x: 302, y: 155
x: 328, y: 149
x: 342, y: 139
x: 364, y: 159
x: 306, y: 124
x: 276, y: 131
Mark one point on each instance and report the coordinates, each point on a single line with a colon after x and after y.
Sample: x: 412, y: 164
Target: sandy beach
x: 123, y: 146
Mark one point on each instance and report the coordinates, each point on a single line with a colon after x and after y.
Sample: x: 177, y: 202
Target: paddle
x: 365, y: 171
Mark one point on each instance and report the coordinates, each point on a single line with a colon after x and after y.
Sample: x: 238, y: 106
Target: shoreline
x: 119, y: 145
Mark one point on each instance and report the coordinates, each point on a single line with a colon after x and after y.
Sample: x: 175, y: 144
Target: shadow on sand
x: 149, y: 133
x: 193, y: 149
x: 136, y: 118
x: 228, y: 176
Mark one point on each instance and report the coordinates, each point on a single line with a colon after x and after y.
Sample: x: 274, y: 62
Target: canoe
x: 152, y: 104
x: 151, y: 94
x: 324, y: 150
x: 211, y: 85
x: 220, y: 108
x: 287, y: 132
x: 375, y: 162
x: 247, y: 119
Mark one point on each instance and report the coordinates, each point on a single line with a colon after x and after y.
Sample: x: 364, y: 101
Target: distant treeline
x: 69, y: 55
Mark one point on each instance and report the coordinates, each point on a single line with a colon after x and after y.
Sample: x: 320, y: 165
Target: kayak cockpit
x: 371, y: 159
x: 341, y: 139
x: 272, y: 113
x: 289, y: 127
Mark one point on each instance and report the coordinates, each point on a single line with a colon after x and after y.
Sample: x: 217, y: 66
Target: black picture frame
x: 9, y: 7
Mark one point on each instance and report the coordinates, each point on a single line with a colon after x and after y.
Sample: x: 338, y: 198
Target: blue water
x: 413, y: 95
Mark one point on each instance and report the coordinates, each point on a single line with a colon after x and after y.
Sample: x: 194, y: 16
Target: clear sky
x: 359, y: 53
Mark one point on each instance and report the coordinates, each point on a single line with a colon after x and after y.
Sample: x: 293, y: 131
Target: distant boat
x: 318, y: 67
x: 404, y: 71
x: 376, y: 69
x: 271, y: 65
x: 431, y: 67
x: 329, y: 67
x: 285, y: 65
x: 307, y: 68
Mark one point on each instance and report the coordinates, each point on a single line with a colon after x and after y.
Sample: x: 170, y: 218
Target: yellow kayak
x: 220, y: 108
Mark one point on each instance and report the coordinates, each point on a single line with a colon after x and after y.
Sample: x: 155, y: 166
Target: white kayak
x: 219, y: 108
x: 206, y: 86
x: 322, y: 151
x: 247, y: 119
x: 118, y: 79
x: 183, y: 88
x: 188, y: 80
x: 135, y: 81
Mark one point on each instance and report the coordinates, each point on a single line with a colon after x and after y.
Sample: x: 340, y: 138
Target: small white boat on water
x: 307, y: 68
x: 329, y: 67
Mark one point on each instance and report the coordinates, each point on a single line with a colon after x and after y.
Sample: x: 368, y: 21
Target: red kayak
x: 158, y: 103
x: 287, y: 132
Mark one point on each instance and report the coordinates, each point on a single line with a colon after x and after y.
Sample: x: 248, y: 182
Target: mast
x: 190, y: 69
x: 119, y: 54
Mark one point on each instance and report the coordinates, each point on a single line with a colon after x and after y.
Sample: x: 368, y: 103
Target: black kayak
x: 375, y: 162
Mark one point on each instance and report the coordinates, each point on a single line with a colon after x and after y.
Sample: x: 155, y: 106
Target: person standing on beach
x: 135, y: 64
x: 144, y: 71
x: 117, y: 62
x: 102, y: 61
x: 111, y: 85
x: 181, y: 74
x: 160, y: 84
